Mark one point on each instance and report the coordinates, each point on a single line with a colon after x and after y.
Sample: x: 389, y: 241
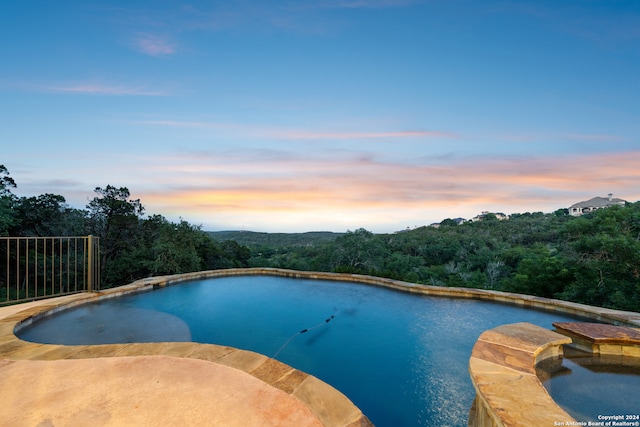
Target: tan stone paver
x: 502, y: 369
x: 142, y: 391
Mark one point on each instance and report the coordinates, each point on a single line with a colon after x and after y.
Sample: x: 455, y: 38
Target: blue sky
x: 323, y: 114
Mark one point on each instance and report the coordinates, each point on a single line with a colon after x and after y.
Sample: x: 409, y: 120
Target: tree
x: 493, y: 272
x: 606, y: 247
x: 448, y: 223
x: 542, y: 271
x: 40, y: 216
x: 359, y: 251
x: 111, y: 209
x: 175, y: 250
x: 115, y: 219
x: 238, y: 254
x: 7, y: 201
x: 6, y: 181
x: 490, y: 217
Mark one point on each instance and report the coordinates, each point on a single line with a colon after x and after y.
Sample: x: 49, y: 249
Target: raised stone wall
x: 503, y: 371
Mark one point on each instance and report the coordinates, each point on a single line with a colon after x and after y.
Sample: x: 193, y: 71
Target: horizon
x: 302, y: 231
x: 395, y: 231
x: 325, y: 114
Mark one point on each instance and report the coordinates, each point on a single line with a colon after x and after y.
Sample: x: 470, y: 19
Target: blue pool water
x: 401, y: 358
x: 589, y: 387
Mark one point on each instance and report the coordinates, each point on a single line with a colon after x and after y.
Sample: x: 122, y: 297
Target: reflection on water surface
x: 587, y: 386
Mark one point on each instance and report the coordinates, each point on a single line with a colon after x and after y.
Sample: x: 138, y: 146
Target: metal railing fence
x: 40, y: 267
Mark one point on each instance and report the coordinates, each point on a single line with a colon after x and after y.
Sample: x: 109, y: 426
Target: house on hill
x: 595, y: 203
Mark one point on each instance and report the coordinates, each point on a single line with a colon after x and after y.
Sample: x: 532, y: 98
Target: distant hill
x: 253, y: 238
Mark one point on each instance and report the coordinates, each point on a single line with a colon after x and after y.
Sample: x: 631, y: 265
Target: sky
x: 307, y: 115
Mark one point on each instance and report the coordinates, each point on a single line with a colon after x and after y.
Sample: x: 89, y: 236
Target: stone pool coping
x: 615, y: 317
x: 327, y: 405
x: 602, y: 339
x: 605, y: 315
x: 502, y: 367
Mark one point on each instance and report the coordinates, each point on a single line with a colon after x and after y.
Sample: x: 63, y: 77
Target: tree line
x: 132, y: 245
x: 593, y: 259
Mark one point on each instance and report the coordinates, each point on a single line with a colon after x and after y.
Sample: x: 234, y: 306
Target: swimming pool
x: 401, y: 358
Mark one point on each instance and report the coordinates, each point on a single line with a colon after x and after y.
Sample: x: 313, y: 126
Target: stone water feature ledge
x: 503, y: 371
x: 503, y: 368
x: 601, y: 339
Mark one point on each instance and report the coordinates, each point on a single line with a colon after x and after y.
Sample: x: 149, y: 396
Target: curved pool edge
x: 503, y: 362
x: 605, y: 315
x: 324, y: 405
x: 502, y: 368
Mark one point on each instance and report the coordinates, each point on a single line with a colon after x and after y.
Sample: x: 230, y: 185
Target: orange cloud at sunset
x: 382, y: 194
x: 268, y: 132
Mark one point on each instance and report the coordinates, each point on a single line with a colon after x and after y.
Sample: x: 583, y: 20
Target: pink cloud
x: 586, y: 137
x: 284, y: 191
x: 102, y: 89
x: 295, y: 134
x: 154, y: 45
x: 362, y: 135
x: 594, y: 137
x: 377, y: 191
x: 366, y: 4
x: 188, y: 124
